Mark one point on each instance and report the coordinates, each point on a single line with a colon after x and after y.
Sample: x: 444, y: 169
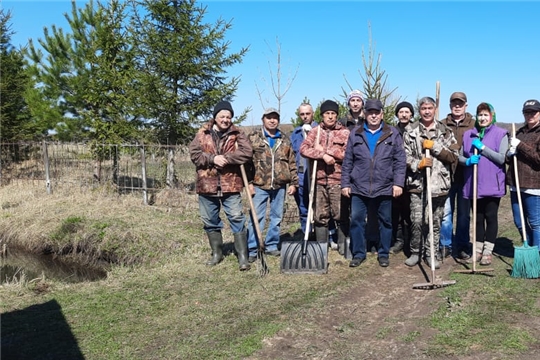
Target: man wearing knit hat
x: 329, y: 151
x: 459, y: 121
x: 218, y: 150
x: 401, y: 205
x: 274, y: 175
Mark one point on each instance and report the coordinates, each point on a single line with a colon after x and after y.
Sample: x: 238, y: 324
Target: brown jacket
x: 334, y: 142
x: 205, y: 146
x: 459, y: 129
x: 528, y: 159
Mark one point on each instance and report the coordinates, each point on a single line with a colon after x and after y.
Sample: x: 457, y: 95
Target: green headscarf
x: 480, y: 129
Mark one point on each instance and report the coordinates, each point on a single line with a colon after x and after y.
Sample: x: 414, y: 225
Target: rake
x: 474, y: 270
x: 262, y: 267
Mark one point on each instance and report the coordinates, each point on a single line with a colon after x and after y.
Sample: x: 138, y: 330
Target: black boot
x: 341, y: 242
x: 240, y: 245
x: 321, y: 234
x: 216, y: 243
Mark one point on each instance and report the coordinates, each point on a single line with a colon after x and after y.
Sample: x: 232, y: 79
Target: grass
x: 161, y: 302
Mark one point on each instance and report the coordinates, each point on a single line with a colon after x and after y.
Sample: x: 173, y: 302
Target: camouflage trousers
x: 420, y: 225
x: 327, y: 204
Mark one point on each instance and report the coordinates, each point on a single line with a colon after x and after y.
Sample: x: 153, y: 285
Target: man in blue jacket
x: 373, y: 173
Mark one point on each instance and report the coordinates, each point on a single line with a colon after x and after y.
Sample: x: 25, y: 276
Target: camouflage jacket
x: 272, y: 168
x: 444, y: 154
x: 334, y: 142
x: 459, y: 129
x: 205, y: 146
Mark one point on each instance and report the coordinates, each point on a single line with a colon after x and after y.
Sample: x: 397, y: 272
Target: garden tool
x: 306, y: 256
x: 526, y: 258
x: 434, y: 284
x: 474, y: 270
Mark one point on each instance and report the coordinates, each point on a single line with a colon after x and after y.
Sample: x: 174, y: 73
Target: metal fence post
x: 46, y: 163
x: 143, y: 168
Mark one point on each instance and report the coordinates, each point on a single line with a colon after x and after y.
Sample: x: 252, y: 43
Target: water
x: 18, y: 264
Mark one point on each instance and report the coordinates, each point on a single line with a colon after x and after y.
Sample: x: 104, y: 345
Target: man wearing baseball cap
x: 373, y: 173
x: 459, y: 121
x: 274, y: 168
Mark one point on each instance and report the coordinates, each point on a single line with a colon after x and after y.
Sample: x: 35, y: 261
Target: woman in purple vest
x: 491, y: 144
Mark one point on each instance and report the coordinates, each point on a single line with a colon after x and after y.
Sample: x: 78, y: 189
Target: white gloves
x: 512, y: 149
x: 306, y: 128
x: 514, y: 142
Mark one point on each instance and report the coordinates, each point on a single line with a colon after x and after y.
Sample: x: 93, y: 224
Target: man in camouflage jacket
x: 274, y: 166
x: 218, y: 150
x: 419, y: 136
x: 329, y: 152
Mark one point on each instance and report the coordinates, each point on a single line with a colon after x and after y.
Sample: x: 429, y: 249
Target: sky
x: 488, y: 49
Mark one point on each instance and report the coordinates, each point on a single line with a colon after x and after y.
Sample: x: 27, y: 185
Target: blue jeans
x: 460, y: 240
x: 260, y: 199
x: 360, y: 206
x: 209, y: 207
x: 531, y: 213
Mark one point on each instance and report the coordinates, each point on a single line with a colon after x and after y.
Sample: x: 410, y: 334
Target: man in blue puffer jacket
x: 373, y: 173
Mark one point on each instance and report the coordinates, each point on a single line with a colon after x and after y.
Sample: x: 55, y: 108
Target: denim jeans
x: 360, y: 206
x: 460, y: 240
x: 209, y: 207
x: 531, y: 213
x: 260, y: 199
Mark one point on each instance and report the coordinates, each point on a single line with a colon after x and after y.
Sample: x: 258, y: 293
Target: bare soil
x: 380, y: 316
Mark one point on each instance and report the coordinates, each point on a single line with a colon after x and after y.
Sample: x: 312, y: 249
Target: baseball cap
x: 373, y: 104
x: 458, y: 95
x: 531, y: 105
x: 271, y: 110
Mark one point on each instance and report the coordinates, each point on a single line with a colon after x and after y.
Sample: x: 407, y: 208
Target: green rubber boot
x: 216, y: 243
x: 240, y: 245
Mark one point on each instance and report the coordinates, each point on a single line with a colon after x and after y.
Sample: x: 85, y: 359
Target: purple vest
x: 491, y: 177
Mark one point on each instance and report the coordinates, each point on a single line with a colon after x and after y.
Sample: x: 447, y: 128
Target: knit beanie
x: 223, y: 105
x: 481, y: 107
x: 355, y: 94
x: 329, y: 105
x: 403, y: 104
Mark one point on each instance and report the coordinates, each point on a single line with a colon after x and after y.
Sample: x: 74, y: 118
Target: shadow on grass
x: 38, y: 332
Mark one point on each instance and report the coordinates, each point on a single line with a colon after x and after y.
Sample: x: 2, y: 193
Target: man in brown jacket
x: 459, y: 121
x: 329, y: 152
x: 218, y: 150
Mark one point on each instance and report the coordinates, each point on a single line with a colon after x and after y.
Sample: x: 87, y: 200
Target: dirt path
x: 382, y: 319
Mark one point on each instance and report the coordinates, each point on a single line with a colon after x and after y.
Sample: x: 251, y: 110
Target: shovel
x: 304, y: 256
x: 434, y: 284
x: 474, y: 270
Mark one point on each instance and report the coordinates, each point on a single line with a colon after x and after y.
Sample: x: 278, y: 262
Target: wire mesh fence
x: 122, y: 168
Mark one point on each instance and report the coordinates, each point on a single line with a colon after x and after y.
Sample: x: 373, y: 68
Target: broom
x: 526, y: 258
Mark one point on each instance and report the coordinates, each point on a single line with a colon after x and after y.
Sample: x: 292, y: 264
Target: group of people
x: 370, y: 178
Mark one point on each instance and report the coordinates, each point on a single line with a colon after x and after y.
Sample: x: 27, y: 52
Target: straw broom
x: 526, y: 258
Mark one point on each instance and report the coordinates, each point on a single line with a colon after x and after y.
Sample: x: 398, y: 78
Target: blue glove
x: 473, y: 160
x: 477, y: 143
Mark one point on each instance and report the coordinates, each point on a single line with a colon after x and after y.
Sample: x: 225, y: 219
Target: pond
x: 17, y: 264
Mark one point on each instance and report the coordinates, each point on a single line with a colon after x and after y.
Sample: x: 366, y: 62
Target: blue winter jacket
x: 373, y: 177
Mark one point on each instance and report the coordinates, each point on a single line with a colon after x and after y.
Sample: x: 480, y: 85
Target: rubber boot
x: 240, y: 245
x: 216, y: 244
x: 413, y: 259
x: 321, y: 234
x: 341, y: 241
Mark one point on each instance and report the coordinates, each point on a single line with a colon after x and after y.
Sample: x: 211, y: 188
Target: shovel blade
x: 314, y: 261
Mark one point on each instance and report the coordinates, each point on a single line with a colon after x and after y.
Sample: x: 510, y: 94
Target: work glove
x: 424, y: 163
x: 514, y: 142
x: 473, y: 160
x: 511, y: 151
x: 306, y: 128
x: 428, y: 144
x: 477, y: 143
